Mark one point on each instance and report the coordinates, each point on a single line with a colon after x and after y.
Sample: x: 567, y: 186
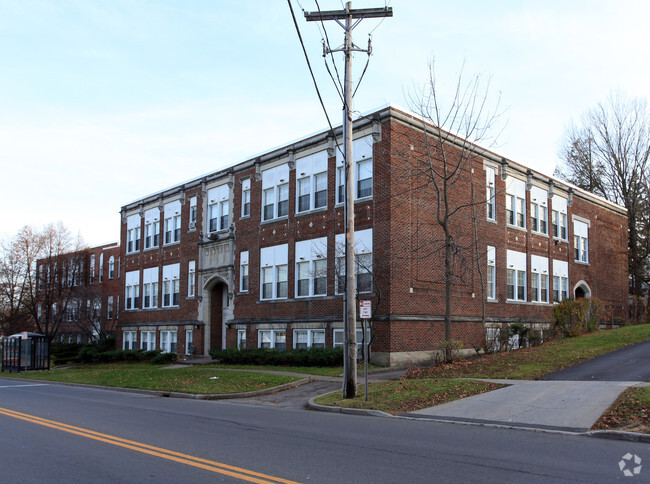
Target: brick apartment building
x: 251, y: 255
x: 79, y: 293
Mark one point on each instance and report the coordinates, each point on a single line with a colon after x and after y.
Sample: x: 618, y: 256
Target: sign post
x: 365, y: 312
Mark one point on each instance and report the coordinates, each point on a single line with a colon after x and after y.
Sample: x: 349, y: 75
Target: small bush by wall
x: 323, y: 357
x: 575, y: 317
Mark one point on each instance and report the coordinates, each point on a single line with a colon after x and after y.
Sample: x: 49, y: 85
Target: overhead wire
x: 304, y: 50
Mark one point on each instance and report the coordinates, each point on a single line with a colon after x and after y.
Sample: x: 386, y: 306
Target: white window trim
x: 274, y: 181
x: 273, y: 258
x: 362, y: 246
x: 491, y: 262
x: 362, y: 149
x: 273, y: 333
x: 150, y: 339
x: 311, y: 252
x: 169, y: 341
x: 246, y: 193
x: 191, y: 279
x: 310, y: 337
x: 171, y: 284
x: 244, y: 267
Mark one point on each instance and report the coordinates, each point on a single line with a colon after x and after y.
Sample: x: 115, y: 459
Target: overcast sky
x: 104, y: 102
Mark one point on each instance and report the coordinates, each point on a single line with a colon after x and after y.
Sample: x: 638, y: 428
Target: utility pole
x: 350, y: 307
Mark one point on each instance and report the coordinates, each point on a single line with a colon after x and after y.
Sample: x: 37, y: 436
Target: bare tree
x: 609, y: 154
x: 17, y: 260
x: 439, y: 163
x: 41, y: 272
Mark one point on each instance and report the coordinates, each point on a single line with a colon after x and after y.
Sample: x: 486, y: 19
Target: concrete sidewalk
x: 554, y: 405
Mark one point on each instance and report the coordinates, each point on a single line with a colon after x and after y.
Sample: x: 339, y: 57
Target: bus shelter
x: 25, y: 351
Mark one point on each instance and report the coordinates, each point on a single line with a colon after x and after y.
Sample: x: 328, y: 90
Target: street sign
x: 365, y: 309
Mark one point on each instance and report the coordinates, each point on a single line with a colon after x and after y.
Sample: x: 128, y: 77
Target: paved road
x: 288, y: 443
x: 631, y: 363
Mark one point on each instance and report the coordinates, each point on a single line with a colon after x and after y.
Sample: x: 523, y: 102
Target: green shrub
x: 575, y: 317
x: 320, y: 357
x: 449, y: 351
x: 164, y: 358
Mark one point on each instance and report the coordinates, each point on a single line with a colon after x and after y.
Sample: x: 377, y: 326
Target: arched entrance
x: 581, y: 290
x: 216, y: 315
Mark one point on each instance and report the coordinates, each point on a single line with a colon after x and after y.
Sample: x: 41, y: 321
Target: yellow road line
x: 179, y: 457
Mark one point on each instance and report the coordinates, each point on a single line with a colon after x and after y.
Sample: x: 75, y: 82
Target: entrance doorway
x: 216, y: 315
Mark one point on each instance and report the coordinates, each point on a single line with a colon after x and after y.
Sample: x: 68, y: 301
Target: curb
x: 350, y: 411
x: 599, y: 434
x: 192, y: 396
x: 619, y: 435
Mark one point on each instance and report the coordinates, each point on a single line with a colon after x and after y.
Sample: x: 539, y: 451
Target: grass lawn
x: 402, y: 396
x: 424, y: 387
x: 630, y: 412
x: 320, y: 371
x: 531, y: 363
x: 150, y: 377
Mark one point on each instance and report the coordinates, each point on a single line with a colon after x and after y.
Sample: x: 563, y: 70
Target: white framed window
x: 91, y: 272
x: 171, y: 285
x: 490, y: 199
x: 189, y: 342
x: 109, y: 307
x: 148, y: 340
x: 191, y: 278
x: 559, y: 218
x: 538, y: 279
x: 539, y: 210
x: 133, y: 231
x: 363, y: 170
x: 272, y: 338
x: 275, y: 192
x: 338, y: 337
x: 515, y: 202
x: 246, y: 198
x: 311, y: 182
x: 101, y: 269
x: 274, y: 273
x: 219, y: 208
x: 129, y: 340
x: 581, y: 241
x: 311, y: 267
x: 491, y: 273
x: 132, y: 287
x: 362, y: 261
x: 243, y: 271
x: 308, y: 338
x: 150, y: 288
x: 560, y: 280
x: 152, y: 228
x: 241, y: 339
x: 193, y: 213
x: 111, y: 267
x: 168, y: 341
x: 172, y: 222
x: 516, y: 276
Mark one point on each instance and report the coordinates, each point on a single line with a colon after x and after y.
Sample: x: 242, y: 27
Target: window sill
x: 313, y: 210
x: 492, y: 300
x: 244, y: 217
x: 579, y: 262
x: 492, y: 221
x: 149, y: 249
x: 272, y: 220
x: 517, y: 227
x: 356, y: 200
x: 539, y: 234
x: 558, y: 239
x: 172, y: 243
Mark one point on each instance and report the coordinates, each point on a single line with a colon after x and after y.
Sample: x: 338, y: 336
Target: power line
x: 320, y: 98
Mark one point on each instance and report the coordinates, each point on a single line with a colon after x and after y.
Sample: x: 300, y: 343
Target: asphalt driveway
x: 631, y: 363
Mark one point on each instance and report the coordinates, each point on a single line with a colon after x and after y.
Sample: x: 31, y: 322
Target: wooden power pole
x: 350, y: 307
